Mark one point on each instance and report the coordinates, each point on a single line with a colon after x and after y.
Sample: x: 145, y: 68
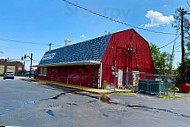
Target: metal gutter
x: 71, y: 63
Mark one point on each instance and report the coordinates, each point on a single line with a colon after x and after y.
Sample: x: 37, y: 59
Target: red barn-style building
x: 92, y: 62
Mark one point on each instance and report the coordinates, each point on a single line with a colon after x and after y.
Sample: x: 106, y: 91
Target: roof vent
x: 106, y: 33
x: 67, y: 42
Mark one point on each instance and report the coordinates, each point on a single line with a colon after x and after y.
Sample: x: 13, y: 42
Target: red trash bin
x: 184, y: 87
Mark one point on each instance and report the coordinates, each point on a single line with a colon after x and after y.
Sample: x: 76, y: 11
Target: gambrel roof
x: 87, y: 51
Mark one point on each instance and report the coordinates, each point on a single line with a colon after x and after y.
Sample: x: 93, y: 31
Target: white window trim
x: 45, y: 74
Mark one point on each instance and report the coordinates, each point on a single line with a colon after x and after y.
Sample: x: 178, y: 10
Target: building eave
x: 71, y: 64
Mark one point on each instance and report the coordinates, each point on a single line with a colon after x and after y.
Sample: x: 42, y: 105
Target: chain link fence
x: 151, y: 83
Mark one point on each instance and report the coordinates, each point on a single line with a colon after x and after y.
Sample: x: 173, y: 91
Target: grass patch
x: 170, y: 97
x: 78, y: 90
x: 92, y: 92
x: 126, y: 94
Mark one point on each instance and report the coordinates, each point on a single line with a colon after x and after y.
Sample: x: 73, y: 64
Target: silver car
x: 8, y: 75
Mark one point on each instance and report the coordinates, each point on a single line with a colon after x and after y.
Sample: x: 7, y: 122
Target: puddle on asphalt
x: 50, y: 112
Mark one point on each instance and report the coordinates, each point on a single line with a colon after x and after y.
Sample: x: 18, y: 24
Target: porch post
x: 100, y: 76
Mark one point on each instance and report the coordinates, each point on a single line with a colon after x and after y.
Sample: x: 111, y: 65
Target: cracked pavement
x: 24, y: 103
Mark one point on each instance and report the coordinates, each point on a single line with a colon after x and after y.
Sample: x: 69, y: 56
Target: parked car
x: 8, y: 75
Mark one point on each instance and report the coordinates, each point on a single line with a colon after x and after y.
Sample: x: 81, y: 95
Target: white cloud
x: 158, y: 18
x: 83, y: 36
x: 3, y: 57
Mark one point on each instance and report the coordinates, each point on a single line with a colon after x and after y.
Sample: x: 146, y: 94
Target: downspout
x: 100, y: 75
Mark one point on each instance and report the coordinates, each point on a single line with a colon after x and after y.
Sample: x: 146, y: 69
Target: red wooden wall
x: 76, y: 75
x: 139, y: 59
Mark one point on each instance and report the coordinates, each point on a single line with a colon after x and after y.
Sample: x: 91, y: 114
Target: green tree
x: 162, y: 60
x: 187, y: 72
x: 177, y: 25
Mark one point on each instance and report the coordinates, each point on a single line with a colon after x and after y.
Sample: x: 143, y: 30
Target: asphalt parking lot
x: 30, y: 104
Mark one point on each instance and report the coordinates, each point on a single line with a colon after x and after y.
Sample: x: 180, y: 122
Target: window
x: 42, y: 71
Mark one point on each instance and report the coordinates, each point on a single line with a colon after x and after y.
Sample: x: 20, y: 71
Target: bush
x: 172, y: 88
x: 105, y: 84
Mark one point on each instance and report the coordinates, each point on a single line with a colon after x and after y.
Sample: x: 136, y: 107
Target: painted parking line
x: 8, y: 110
x: 30, y: 102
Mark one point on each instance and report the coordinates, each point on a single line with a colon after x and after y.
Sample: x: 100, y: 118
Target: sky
x: 33, y: 24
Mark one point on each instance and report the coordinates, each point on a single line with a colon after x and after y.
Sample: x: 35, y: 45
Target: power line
x: 114, y: 20
x: 18, y: 41
x: 178, y: 46
x: 169, y: 42
x: 24, y: 60
x: 26, y: 42
x: 27, y: 48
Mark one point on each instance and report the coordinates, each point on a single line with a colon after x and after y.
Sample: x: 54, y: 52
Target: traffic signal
x: 5, y: 59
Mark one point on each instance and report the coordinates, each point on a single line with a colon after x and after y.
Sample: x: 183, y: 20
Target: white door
x: 136, y: 77
x: 120, y: 78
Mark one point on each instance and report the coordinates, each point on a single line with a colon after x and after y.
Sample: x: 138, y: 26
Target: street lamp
x: 25, y: 56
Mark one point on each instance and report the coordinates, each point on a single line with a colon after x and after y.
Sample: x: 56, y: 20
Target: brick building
x: 10, y: 66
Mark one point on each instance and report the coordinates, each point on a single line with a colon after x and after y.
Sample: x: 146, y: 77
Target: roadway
x: 30, y: 104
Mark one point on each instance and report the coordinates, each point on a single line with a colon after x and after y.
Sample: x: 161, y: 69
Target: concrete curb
x: 93, y: 90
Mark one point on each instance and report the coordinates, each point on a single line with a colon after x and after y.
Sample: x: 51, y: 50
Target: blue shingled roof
x: 91, y: 50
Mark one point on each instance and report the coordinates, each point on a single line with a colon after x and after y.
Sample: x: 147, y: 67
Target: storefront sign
x: 48, y: 56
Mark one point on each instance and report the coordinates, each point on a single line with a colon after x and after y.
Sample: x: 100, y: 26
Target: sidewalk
x: 94, y: 90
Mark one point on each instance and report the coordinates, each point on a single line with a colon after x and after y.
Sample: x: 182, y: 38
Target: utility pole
x: 31, y: 59
x: 182, y: 13
x: 172, y: 56
x: 24, y: 68
x: 50, y: 46
x: 30, y: 65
